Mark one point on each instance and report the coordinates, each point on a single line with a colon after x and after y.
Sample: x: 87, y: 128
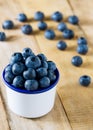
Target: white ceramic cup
x: 31, y: 104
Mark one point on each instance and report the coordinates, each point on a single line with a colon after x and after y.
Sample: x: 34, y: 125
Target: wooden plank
x: 77, y: 100
x: 16, y: 41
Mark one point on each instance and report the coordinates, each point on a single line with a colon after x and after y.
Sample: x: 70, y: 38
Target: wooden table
x: 73, y: 109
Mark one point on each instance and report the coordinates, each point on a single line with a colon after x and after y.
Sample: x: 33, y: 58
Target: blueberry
x: 33, y: 62
x: 22, y: 17
x: 50, y: 34
x: 42, y: 25
x: 2, y: 36
x: 29, y: 73
x: 51, y: 65
x: 82, y: 49
x: 9, y: 76
x: 68, y: 34
x: 62, y: 26
x: 85, y: 80
x: 27, y: 29
x: 44, y: 64
x: 82, y: 40
x: 44, y: 82
x: 18, y: 68
x: 41, y: 72
x: 39, y: 16
x: 61, y: 45
x: 77, y: 61
x: 51, y: 75
x: 8, y: 68
x: 42, y: 57
x: 57, y: 16
x: 31, y: 85
x: 16, y: 57
x: 73, y: 19
x: 8, y: 24
x: 27, y: 52
x: 18, y: 82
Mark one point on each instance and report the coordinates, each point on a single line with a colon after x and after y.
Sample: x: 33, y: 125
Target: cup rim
x: 34, y: 91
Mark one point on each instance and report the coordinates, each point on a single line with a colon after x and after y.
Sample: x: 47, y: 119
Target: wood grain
x: 73, y: 110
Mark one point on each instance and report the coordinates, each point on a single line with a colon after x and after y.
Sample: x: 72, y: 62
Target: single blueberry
x: 2, y: 36
x: 16, y: 57
x: 27, y: 29
x: 44, y: 82
x: 50, y: 34
x: 18, y: 82
x: 51, y: 75
x: 18, y: 68
x: 33, y: 62
x: 42, y: 57
x: 51, y: 65
x: 62, y: 26
x: 42, y: 25
x: 44, y: 64
x: 8, y: 68
x: 73, y: 19
x: 31, y: 85
x: 68, y: 34
x: 22, y: 17
x: 82, y: 40
x: 41, y: 72
x: 29, y: 73
x: 82, y: 49
x: 27, y: 52
x: 9, y: 76
x: 61, y: 45
x: 85, y: 80
x: 39, y: 16
x: 57, y: 16
x: 8, y: 24
x: 76, y: 61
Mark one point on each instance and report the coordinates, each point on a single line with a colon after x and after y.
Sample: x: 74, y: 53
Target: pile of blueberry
x: 29, y: 71
x: 67, y: 33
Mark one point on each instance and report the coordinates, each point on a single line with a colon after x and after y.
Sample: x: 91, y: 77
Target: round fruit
x: 85, y: 80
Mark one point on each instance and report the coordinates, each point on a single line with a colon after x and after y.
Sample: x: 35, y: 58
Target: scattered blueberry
x: 61, y: 45
x: 18, y: 82
x: 2, y: 36
x: 42, y: 57
x: 44, y: 82
x: 22, y: 17
x: 51, y: 75
x: 82, y: 40
x: 33, y: 62
x: 9, y: 76
x: 27, y: 29
x: 85, y: 80
x: 51, y: 65
x: 18, y: 68
x: 82, y: 49
x: 29, y: 74
x: 27, y: 52
x: 16, y: 57
x: 42, y: 25
x: 31, y: 84
x: 8, y: 24
x: 62, y: 26
x: 50, y: 34
x: 8, y: 68
x: 57, y: 16
x: 77, y: 61
x: 73, y: 19
x: 39, y: 16
x: 41, y: 72
x: 68, y: 34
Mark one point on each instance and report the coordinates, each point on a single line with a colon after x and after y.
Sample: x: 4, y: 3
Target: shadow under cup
x: 31, y: 104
